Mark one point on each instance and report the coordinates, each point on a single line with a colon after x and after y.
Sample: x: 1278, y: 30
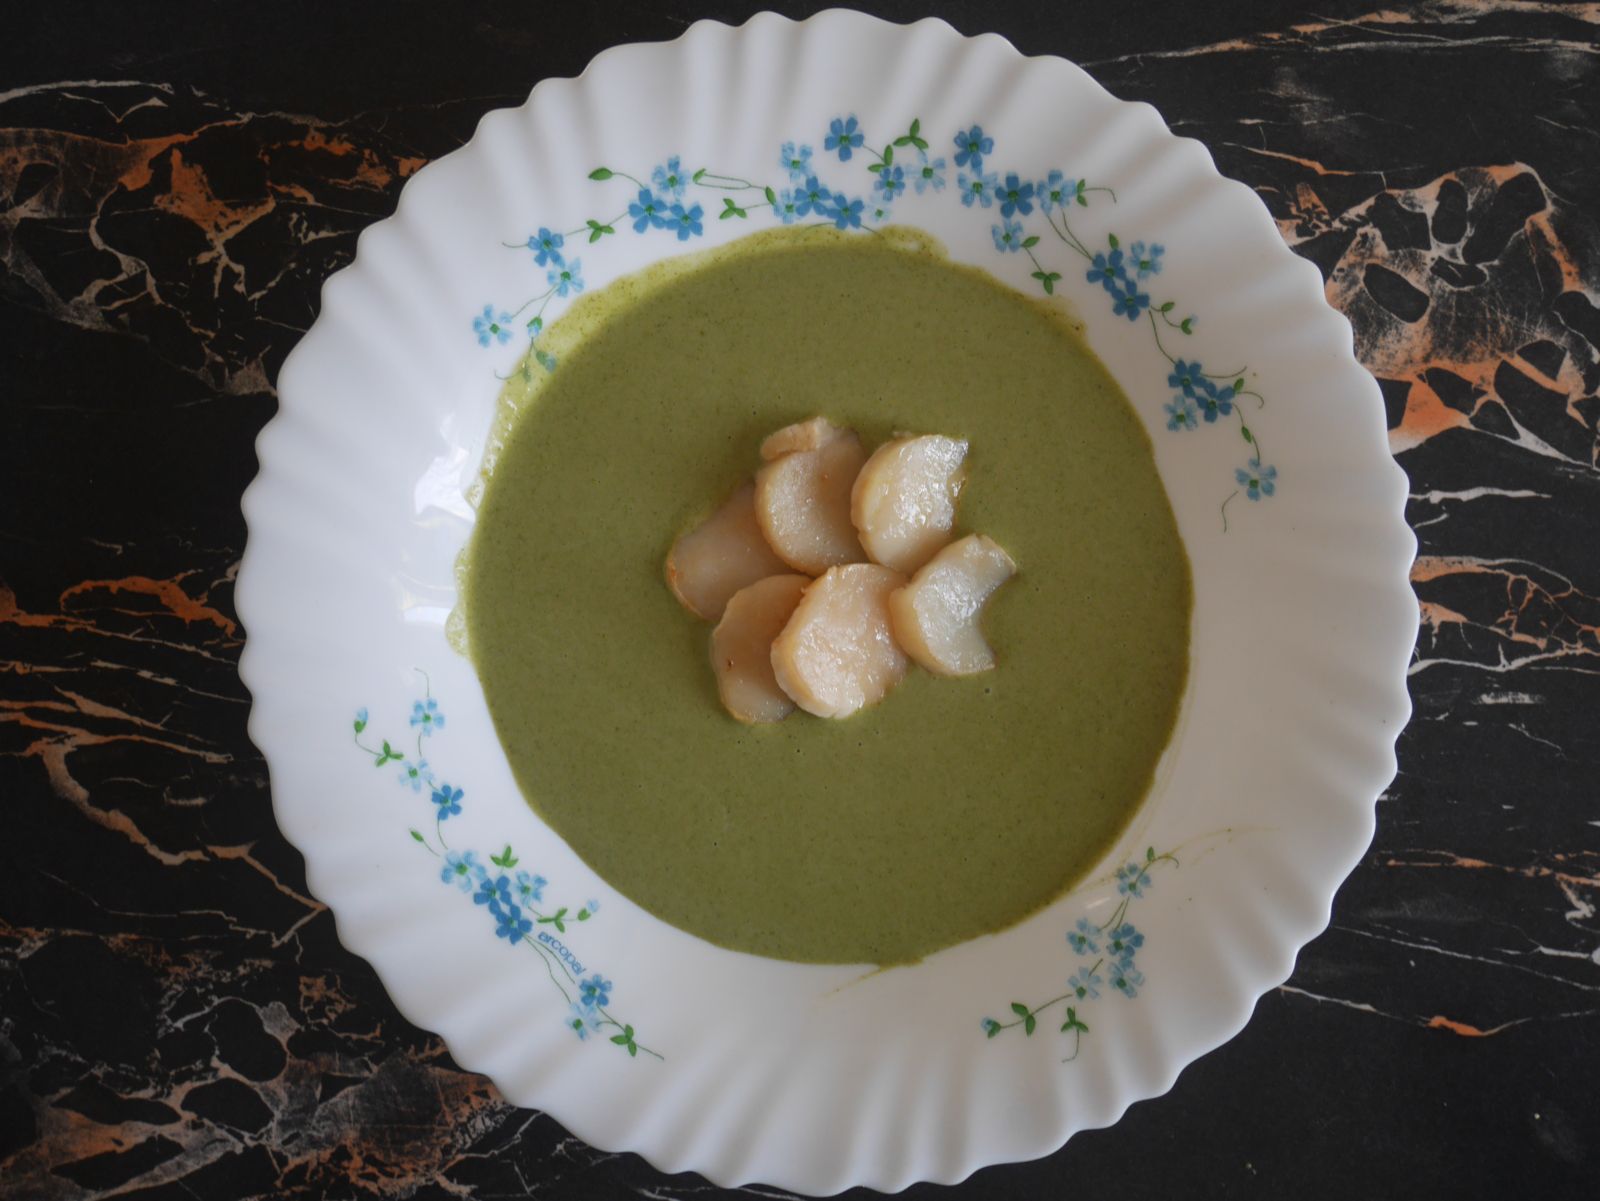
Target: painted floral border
x: 511, y: 898
x: 669, y: 202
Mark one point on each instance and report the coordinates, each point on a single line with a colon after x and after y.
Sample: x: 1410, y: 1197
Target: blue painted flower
x: 844, y: 135
x: 1133, y: 880
x: 928, y: 173
x: 1123, y: 941
x: 1085, y: 939
x: 1146, y: 260
x: 462, y: 869
x: 1085, y: 984
x: 687, y: 221
x: 415, y: 775
x: 448, y: 799
x: 1126, y: 978
x: 843, y: 212
x: 796, y: 160
x: 491, y: 327
x: 1214, y: 401
x: 971, y: 146
x: 1007, y: 237
x: 545, y: 359
x: 669, y: 178
x: 529, y: 888
x: 791, y: 205
x: 1256, y: 480
x: 595, y: 992
x: 493, y: 891
x: 891, y: 183
x: 1182, y: 415
x: 568, y: 280
x: 978, y: 188
x: 546, y: 247
x: 814, y: 196
x: 647, y: 212
x: 581, y: 1022
x: 510, y: 924
x: 361, y: 719
x: 426, y: 715
x: 1055, y: 190
x: 593, y: 907
x: 1015, y: 196
x: 1107, y: 271
x: 1187, y: 376
x: 1130, y: 302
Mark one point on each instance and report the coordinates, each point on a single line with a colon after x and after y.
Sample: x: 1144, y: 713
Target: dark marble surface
x: 177, y: 1018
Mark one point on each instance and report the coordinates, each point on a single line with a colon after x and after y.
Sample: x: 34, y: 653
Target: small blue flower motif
x: 1085, y: 984
x: 669, y: 179
x: 493, y: 891
x: 361, y: 719
x: 1007, y: 237
x: 844, y: 135
x: 815, y: 197
x: 1146, y: 260
x: 1216, y: 402
x: 1126, y: 978
x: 891, y: 182
x: 1122, y: 942
x: 796, y: 160
x: 595, y: 992
x: 581, y: 1022
x: 791, y: 206
x: 1084, y: 940
x: 491, y: 327
x: 990, y: 1027
x: 1107, y: 271
x: 567, y: 280
x: 1187, y: 376
x: 593, y: 907
x: 545, y: 359
x: 928, y: 173
x: 1256, y: 480
x: 971, y: 146
x: 546, y: 247
x: 448, y: 799
x: 1015, y: 196
x: 687, y: 221
x: 462, y: 869
x: 978, y: 188
x: 415, y: 775
x: 1133, y: 880
x: 1130, y: 302
x: 529, y: 888
x: 647, y: 212
x: 1055, y: 191
x: 509, y: 923
x: 426, y: 715
x: 1182, y: 415
x: 844, y: 212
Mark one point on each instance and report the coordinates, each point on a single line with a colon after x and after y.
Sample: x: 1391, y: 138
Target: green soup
x: 954, y: 807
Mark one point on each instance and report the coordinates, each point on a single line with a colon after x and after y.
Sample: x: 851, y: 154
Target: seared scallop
x: 802, y: 435
x: 724, y: 553
x: 838, y: 654
x: 803, y: 504
x: 903, y: 503
x: 741, y: 648
x: 936, y: 616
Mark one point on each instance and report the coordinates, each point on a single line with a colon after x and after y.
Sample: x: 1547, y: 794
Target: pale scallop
x: 741, y: 648
x: 724, y: 553
x: 903, y: 504
x: 802, y: 435
x: 838, y: 655
x: 803, y: 504
x: 936, y: 616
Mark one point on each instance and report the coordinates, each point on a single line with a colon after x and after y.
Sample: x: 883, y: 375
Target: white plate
x: 818, y: 1078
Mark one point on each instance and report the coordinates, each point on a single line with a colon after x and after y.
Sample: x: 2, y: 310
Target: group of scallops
x: 832, y: 568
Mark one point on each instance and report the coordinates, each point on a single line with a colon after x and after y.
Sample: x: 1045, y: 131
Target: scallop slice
x: 936, y: 615
x: 838, y: 655
x: 903, y: 503
x: 724, y: 553
x: 741, y: 648
x: 803, y: 504
x: 802, y: 435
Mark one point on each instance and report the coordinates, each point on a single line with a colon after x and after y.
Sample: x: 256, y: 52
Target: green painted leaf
x: 993, y: 1029
x: 600, y: 174
x: 1030, y: 242
x: 772, y: 197
x: 1018, y: 1008
x: 888, y: 155
x: 1080, y: 199
x: 417, y: 835
x: 1112, y: 238
x: 584, y: 915
x: 619, y: 1039
x: 903, y: 140
x: 1244, y: 432
x: 699, y: 174
x: 505, y: 858
x: 633, y: 1049
x: 1238, y: 385
x: 916, y: 126
x: 360, y: 725
x: 1168, y: 307
x: 875, y: 167
x: 1149, y: 854
x: 1186, y: 325
x: 1029, y: 1023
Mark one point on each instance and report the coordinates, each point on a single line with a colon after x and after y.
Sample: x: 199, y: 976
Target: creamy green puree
x: 953, y: 808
